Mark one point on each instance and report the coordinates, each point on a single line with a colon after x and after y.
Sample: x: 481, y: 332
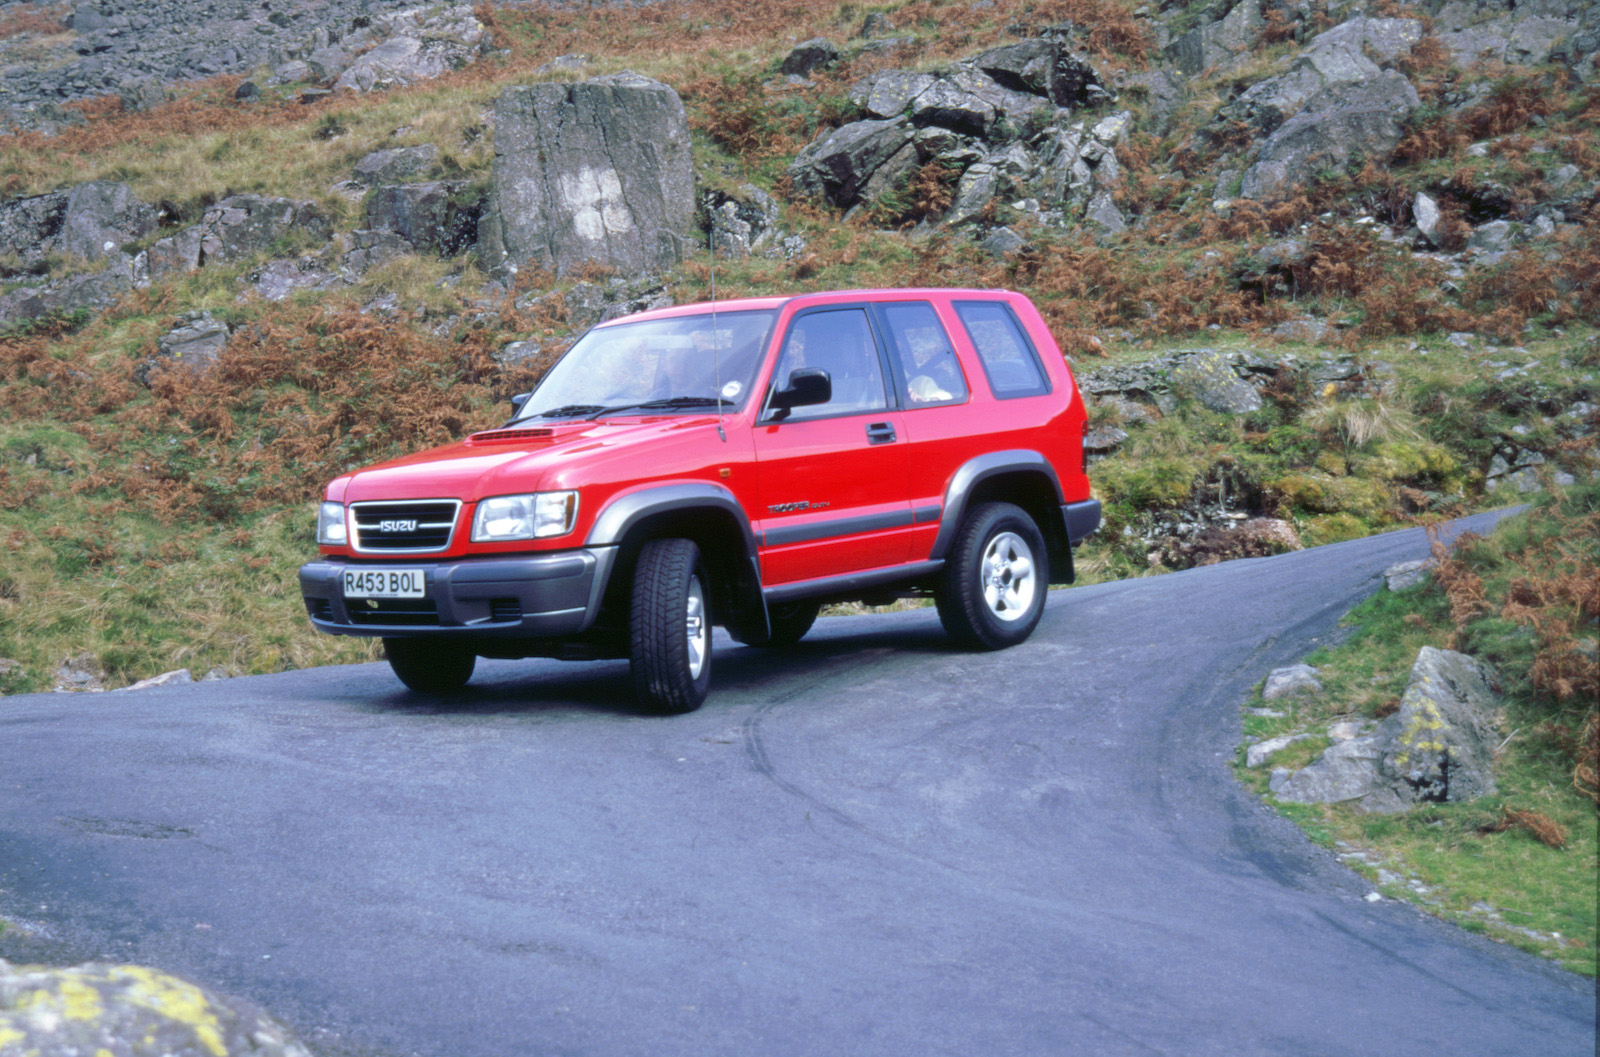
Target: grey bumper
x: 513, y: 597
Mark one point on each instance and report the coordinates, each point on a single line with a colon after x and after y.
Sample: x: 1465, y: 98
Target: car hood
x: 514, y: 459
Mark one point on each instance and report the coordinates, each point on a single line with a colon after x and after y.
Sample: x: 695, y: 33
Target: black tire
x: 669, y: 628
x: 429, y: 667
x: 992, y: 591
x: 789, y: 623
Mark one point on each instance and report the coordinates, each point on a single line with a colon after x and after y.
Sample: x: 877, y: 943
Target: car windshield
x: 685, y: 363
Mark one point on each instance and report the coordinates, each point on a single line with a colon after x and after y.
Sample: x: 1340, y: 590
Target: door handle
x: 880, y: 433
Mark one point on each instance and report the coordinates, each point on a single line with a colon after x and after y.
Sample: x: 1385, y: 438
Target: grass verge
x: 1518, y: 865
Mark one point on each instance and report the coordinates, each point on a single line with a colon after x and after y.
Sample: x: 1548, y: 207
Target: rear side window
x: 927, y: 371
x: 1008, y: 357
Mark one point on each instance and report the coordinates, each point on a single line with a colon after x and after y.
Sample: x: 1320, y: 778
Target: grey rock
x: 416, y: 45
x: 1305, y: 329
x: 398, y: 163
x: 244, y: 226
x: 742, y: 221
x: 838, y: 165
x: 1348, y: 770
x: 96, y: 1007
x: 1258, y: 754
x: 1440, y: 745
x: 1493, y: 237
x: 1209, y: 378
x: 174, y: 678
x: 29, y: 226
x: 291, y: 72
x: 276, y: 280
x: 1102, y: 212
x: 1291, y: 681
x: 809, y: 57
x: 440, y: 217
x: 196, y: 343
x: 887, y: 95
x: 100, y: 217
x: 598, y: 171
x: 91, y: 293
x: 369, y: 249
x: 1219, y: 43
x: 1403, y: 576
x: 1426, y: 212
x: 77, y: 674
x: 517, y: 352
x: 1002, y: 243
x: 1340, y: 125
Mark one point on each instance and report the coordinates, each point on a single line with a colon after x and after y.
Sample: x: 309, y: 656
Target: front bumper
x: 516, y: 597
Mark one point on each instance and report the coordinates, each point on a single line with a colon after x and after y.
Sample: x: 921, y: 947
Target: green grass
x: 1470, y: 867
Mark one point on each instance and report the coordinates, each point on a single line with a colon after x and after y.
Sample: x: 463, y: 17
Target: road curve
x: 868, y: 844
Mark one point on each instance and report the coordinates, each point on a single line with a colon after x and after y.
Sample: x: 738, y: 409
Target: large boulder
x: 1219, y: 43
x: 596, y: 171
x: 90, y: 292
x: 1341, y: 125
x: 838, y: 165
x: 1342, y: 55
x: 1438, y: 747
x: 86, y: 222
x: 101, y: 216
x: 130, y: 1011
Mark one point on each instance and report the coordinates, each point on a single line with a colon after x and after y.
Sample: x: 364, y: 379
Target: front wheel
x: 429, y: 667
x: 992, y: 591
x: 669, y: 628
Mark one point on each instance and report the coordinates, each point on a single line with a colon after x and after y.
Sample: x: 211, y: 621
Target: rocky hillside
x: 1323, y: 267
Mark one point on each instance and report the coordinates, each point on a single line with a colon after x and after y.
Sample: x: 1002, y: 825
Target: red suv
x: 739, y: 463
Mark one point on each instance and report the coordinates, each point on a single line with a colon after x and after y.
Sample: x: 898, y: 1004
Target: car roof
x: 821, y: 297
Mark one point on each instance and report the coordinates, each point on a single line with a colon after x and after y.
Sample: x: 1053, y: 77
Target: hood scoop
x: 510, y: 436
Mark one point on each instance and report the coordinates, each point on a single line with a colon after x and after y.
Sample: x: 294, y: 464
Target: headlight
x: 524, y: 517
x: 330, y: 525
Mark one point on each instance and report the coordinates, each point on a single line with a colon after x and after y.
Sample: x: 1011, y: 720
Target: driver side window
x: 840, y: 342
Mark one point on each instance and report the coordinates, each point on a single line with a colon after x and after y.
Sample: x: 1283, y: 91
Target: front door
x: 834, y: 476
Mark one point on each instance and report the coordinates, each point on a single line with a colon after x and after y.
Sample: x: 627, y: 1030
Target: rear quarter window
x: 1009, y: 359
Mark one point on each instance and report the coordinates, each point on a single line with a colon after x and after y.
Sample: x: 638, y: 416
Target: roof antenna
x: 716, y: 339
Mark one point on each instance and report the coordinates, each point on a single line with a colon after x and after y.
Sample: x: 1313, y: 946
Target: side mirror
x: 807, y: 387
x: 517, y: 402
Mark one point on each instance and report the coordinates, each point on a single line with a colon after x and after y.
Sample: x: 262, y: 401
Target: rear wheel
x: 670, y: 628
x: 992, y: 591
x: 789, y: 623
x: 429, y: 667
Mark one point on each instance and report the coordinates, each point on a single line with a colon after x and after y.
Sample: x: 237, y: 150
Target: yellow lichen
x: 173, y: 998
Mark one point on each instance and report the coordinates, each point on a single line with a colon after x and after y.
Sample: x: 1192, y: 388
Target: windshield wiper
x: 569, y: 411
x: 669, y: 404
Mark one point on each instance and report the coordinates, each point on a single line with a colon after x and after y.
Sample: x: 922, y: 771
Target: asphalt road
x: 869, y: 844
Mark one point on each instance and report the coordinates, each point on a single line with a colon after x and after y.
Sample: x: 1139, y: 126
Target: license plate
x: 384, y: 583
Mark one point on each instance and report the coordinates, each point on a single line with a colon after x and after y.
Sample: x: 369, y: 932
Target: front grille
x: 504, y: 610
x: 415, y: 527
x: 394, y: 612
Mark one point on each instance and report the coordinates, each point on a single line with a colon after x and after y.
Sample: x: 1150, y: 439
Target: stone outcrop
x: 1347, y: 123
x: 130, y: 1011
x: 235, y: 229
x: 1002, y: 123
x: 86, y: 222
x: 597, y: 171
x: 1438, y: 747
